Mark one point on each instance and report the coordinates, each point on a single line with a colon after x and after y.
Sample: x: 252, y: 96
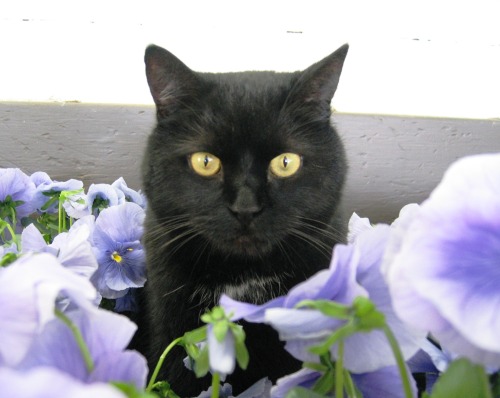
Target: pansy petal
x: 56, y: 347
x: 130, y: 194
x: 385, y: 382
x: 356, y: 226
x: 104, y: 192
x: 46, y: 382
x: 453, y: 341
x: 300, y: 323
x: 121, y: 223
x: 221, y: 355
x: 448, y: 259
x: 32, y: 240
x: 28, y: 290
x: 18, y: 186
x: 260, y: 389
x: 250, y: 312
x: 303, y: 378
x: 127, y: 367
x: 75, y: 251
x: 300, y: 348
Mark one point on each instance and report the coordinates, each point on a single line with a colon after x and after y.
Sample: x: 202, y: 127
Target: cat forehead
x: 241, y: 88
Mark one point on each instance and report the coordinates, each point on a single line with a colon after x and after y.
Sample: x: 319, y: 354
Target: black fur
x: 243, y: 232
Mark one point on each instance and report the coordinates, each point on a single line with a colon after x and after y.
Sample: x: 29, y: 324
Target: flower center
x: 115, y: 256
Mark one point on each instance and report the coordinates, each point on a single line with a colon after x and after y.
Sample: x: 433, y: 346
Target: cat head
x: 245, y: 163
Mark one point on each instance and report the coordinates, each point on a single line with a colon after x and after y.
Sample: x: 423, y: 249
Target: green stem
x: 215, y: 385
x: 62, y: 216
x: 399, y: 360
x: 13, y: 215
x: 339, y: 371
x: 13, y: 235
x: 349, y: 385
x: 84, y: 350
x: 160, y: 363
x: 12, y: 228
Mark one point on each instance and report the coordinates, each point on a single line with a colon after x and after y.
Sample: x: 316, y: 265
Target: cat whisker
x: 192, y: 234
x: 174, y: 291
x: 320, y: 246
x: 322, y: 228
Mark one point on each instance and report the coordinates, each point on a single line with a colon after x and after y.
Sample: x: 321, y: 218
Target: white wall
x: 428, y: 58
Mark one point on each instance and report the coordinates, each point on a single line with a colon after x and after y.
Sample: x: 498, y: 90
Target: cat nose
x: 246, y: 205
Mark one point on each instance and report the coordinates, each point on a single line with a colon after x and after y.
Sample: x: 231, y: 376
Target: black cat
x: 243, y: 175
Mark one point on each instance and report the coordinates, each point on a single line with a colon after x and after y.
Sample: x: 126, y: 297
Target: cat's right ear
x: 171, y: 82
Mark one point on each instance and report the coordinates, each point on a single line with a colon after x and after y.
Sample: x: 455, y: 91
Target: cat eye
x: 285, y: 165
x: 205, y: 164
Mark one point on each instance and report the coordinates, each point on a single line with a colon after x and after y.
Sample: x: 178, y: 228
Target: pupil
x: 285, y: 162
x: 205, y: 161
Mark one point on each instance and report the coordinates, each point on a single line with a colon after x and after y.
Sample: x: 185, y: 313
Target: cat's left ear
x: 318, y: 83
x: 171, y: 82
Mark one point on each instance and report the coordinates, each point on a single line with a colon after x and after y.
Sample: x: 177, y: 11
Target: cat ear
x: 318, y: 83
x: 170, y: 81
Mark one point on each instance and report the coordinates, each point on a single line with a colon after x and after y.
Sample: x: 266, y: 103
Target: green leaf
x: 368, y: 317
x: 328, y: 308
x: 207, y: 318
x: 238, y: 332
x: 462, y: 379
x: 7, y: 259
x: 220, y: 329
x: 50, y: 202
x: 299, y: 392
x: 373, y: 320
x: 192, y: 350
x: 64, y: 195
x: 362, y: 306
x: 318, y: 367
x: 163, y: 389
x: 242, y: 356
x: 195, y: 336
x: 201, y: 364
x: 325, y: 383
x: 218, y: 314
x: 340, y: 334
x: 132, y: 392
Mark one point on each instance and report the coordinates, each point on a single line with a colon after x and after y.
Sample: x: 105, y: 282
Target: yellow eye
x: 285, y: 165
x: 205, y: 164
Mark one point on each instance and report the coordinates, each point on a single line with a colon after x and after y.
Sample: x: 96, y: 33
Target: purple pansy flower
x: 384, y: 382
x: 443, y: 268
x: 305, y: 378
x: 44, y: 382
x: 16, y: 187
x: 106, y: 335
x: 100, y: 196
x: 260, y: 389
x: 76, y: 205
x: 40, y: 177
x: 127, y: 303
x: 221, y: 354
x: 72, y: 248
x: 354, y: 271
x: 130, y: 194
x: 28, y: 291
x: 117, y: 234
x: 45, y: 186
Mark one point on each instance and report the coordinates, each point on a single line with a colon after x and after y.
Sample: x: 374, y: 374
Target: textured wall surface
x: 394, y: 160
